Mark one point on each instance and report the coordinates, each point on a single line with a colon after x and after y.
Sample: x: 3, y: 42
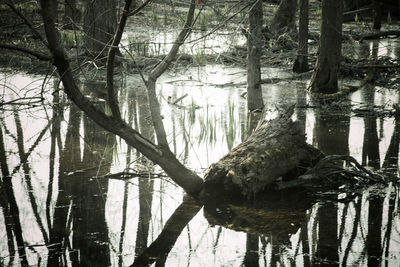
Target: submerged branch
x: 327, y: 166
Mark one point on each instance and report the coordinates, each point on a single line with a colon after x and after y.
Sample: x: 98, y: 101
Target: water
x: 61, y: 191
x: 155, y: 42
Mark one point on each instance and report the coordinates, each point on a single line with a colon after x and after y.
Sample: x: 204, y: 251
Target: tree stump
x: 276, y: 148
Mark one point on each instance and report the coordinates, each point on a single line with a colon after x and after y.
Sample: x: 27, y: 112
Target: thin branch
x: 160, y: 69
x: 160, y: 155
x: 28, y: 51
x: 26, y: 170
x: 137, y: 10
x: 112, y: 95
x: 222, y: 24
x: 187, y: 28
x: 25, y: 156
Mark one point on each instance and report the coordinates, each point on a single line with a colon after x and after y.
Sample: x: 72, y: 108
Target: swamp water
x: 73, y: 214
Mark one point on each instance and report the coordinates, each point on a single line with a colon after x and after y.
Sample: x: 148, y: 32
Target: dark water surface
x: 61, y: 207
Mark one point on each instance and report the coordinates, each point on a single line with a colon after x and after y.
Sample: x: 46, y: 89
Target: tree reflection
x: 10, y: 207
x: 370, y: 149
x: 251, y: 256
x: 80, y: 205
x: 70, y: 160
x: 331, y: 134
x: 146, y: 183
x: 174, y: 226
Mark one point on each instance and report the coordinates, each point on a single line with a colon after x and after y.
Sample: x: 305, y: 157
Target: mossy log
x: 277, y: 148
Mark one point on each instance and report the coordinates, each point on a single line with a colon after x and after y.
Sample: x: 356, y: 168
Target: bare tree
x: 325, y: 76
x: 254, y: 45
x: 158, y: 153
x: 301, y: 62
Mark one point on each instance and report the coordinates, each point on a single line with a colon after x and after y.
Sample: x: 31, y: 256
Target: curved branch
x: 112, y: 95
x: 36, y: 54
x: 181, y: 175
x: 137, y: 10
x: 160, y: 69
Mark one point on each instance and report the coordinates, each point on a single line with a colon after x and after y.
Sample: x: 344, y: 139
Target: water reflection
x: 71, y: 215
x: 80, y: 205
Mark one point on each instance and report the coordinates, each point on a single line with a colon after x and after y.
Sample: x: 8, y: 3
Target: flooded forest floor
x: 85, y: 197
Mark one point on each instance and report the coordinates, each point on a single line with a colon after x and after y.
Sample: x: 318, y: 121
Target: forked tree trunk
x: 254, y: 44
x: 325, y: 76
x: 301, y: 62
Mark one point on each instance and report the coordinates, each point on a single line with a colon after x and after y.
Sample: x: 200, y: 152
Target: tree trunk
x: 377, y: 14
x: 301, y: 62
x: 325, y: 76
x: 99, y: 23
x: 254, y: 44
x: 284, y: 18
x: 276, y: 149
x: 159, y: 154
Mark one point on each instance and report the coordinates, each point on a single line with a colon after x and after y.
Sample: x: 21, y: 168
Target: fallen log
x: 276, y: 148
x: 377, y: 35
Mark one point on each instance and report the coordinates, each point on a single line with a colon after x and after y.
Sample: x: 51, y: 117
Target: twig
x: 179, y: 99
x: 137, y: 10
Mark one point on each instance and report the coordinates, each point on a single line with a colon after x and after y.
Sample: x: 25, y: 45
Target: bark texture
x: 159, y: 154
x: 285, y: 17
x: 99, y: 23
x: 325, y: 76
x: 254, y: 45
x: 277, y: 148
x: 301, y: 62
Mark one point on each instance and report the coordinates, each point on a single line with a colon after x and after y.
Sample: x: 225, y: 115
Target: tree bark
x: 284, y: 18
x: 325, y: 76
x: 254, y: 45
x: 301, y: 62
x: 159, y: 154
x: 99, y: 23
x: 276, y: 149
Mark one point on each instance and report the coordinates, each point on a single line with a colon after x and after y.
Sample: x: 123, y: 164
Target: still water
x: 83, y: 198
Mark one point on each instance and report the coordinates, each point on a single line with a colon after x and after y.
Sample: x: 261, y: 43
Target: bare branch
x: 137, y: 10
x: 158, y: 70
x: 160, y: 155
x: 112, y: 95
x: 28, y: 51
